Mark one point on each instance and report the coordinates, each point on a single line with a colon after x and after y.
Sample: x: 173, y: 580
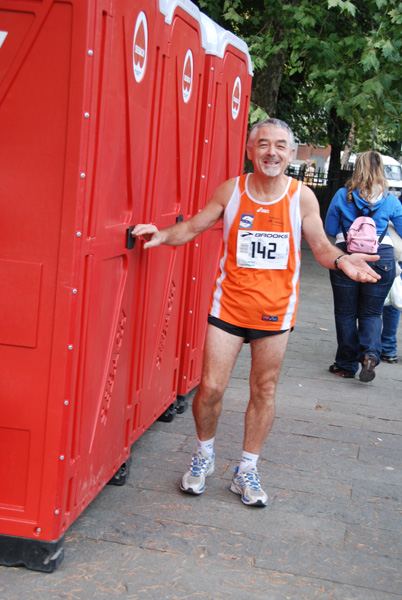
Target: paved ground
x: 332, y: 467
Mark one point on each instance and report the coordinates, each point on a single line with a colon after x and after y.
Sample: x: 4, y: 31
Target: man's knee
x: 211, y: 389
x: 264, y: 389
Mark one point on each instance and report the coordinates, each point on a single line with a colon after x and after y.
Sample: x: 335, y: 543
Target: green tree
x: 322, y: 65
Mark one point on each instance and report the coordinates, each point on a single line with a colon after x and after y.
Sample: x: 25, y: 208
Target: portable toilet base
x: 37, y: 555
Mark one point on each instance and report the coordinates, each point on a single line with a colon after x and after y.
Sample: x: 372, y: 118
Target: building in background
x: 317, y: 155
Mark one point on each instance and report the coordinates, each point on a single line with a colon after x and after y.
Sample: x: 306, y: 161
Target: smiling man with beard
x: 255, y: 295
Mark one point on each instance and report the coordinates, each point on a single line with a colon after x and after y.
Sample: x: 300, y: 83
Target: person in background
x: 358, y: 305
x: 255, y: 295
x: 309, y: 174
x: 390, y: 314
x: 303, y: 167
x: 390, y: 322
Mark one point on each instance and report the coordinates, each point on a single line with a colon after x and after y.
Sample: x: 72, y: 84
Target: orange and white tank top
x: 257, y: 284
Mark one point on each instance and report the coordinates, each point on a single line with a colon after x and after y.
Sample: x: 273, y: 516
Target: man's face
x: 270, y: 150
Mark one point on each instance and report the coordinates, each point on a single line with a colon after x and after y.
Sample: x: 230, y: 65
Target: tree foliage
x: 323, y: 65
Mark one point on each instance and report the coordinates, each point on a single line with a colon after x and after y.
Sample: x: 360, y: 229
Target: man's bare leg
x: 267, y: 355
x: 221, y: 351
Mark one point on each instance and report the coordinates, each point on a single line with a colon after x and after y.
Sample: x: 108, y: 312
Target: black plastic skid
x: 178, y: 407
x: 120, y: 477
x: 37, y: 555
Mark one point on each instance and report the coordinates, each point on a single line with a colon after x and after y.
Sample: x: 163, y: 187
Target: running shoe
x: 202, y: 465
x: 247, y: 485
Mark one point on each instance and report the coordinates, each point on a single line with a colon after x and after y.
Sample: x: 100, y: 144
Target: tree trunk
x: 266, y: 84
x: 338, y: 131
x: 349, y: 147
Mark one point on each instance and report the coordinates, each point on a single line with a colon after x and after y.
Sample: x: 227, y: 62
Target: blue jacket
x: 388, y: 208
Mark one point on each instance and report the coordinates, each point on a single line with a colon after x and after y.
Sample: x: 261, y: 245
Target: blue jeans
x: 358, y: 310
x: 390, y: 321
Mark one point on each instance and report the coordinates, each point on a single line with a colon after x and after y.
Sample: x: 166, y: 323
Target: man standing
x: 303, y: 167
x: 255, y: 294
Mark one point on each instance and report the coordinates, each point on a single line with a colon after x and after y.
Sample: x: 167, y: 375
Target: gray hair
x: 275, y: 123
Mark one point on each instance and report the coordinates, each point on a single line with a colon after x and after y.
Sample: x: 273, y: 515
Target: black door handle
x: 130, y: 240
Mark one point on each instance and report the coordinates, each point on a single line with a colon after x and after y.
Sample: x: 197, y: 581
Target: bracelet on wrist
x: 337, y: 260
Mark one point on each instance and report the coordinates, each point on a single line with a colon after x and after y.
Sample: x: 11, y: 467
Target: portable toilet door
x: 224, y: 119
x: 170, y: 197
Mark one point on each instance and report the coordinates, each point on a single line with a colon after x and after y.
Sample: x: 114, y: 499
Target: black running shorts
x: 248, y: 334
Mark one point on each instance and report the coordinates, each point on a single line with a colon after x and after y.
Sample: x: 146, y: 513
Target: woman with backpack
x: 358, y: 306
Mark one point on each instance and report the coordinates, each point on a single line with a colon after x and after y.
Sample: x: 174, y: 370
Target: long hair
x: 368, y: 177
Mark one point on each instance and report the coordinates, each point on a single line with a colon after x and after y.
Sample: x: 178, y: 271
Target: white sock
x: 206, y: 446
x: 248, y: 460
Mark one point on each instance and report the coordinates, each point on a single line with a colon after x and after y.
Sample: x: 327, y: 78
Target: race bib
x: 262, y: 249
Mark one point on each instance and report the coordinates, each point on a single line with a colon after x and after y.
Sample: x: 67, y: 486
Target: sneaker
x: 202, y: 465
x: 367, y: 373
x: 389, y: 359
x: 247, y: 484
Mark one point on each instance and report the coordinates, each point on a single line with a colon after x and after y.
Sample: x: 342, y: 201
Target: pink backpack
x: 362, y: 236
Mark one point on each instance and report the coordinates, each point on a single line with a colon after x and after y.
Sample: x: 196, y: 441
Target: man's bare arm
x: 181, y: 233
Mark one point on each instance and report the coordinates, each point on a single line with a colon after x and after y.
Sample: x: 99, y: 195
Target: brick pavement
x: 331, y: 466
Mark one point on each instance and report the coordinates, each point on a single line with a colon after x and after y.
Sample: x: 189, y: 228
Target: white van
x: 393, y: 173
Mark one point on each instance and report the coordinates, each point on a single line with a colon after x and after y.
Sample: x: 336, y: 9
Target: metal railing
x: 323, y: 186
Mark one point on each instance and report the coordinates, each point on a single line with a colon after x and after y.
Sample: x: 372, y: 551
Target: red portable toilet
x: 82, y: 87
x: 224, y: 118
x: 67, y: 327
x: 170, y: 184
